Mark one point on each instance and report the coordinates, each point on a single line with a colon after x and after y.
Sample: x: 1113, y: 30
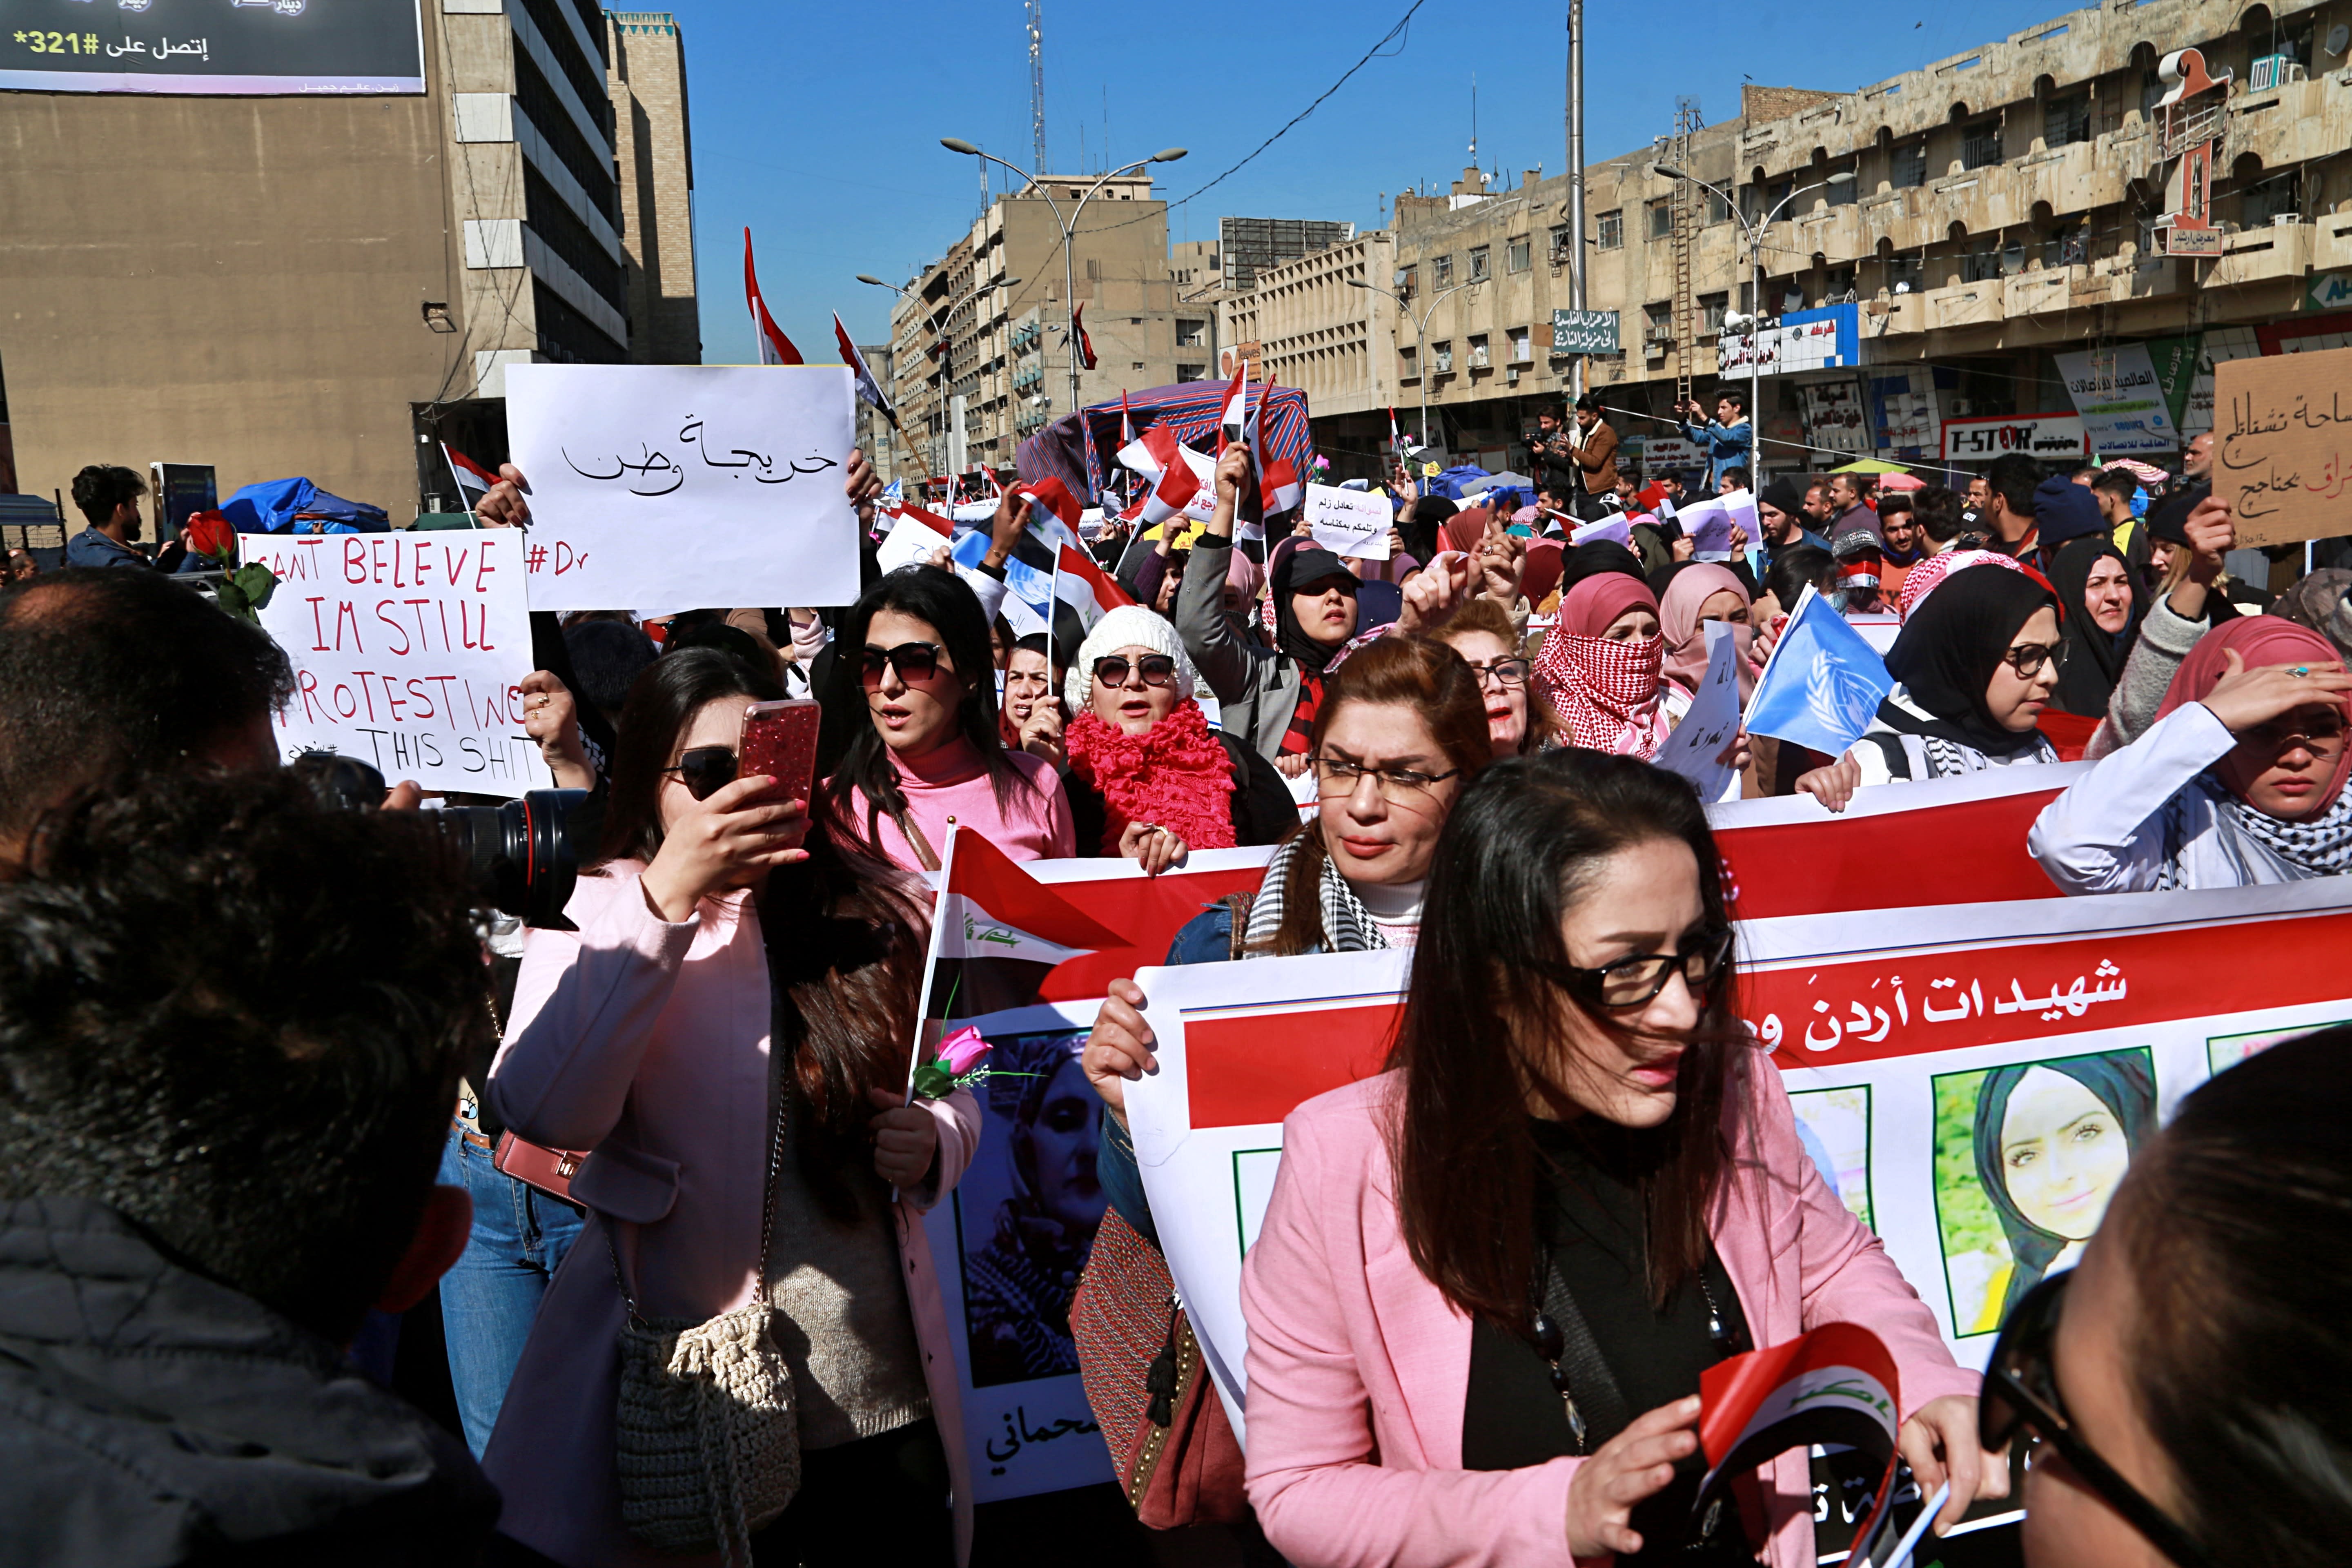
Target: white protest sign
x: 407, y: 649
x: 1912, y: 1067
x: 706, y: 485
x: 1708, y: 726
x: 910, y: 542
x: 1009, y: 1243
x: 1349, y: 522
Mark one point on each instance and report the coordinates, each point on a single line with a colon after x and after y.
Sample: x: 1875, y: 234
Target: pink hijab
x: 1606, y: 693
x: 1686, y: 634
x: 2258, y: 640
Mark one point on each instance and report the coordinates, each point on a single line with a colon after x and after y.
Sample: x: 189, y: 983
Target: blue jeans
x: 488, y: 1299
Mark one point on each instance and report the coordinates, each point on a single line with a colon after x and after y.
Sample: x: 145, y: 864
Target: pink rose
x: 962, y: 1051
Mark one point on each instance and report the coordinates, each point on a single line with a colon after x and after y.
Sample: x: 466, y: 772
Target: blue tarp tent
x: 298, y: 506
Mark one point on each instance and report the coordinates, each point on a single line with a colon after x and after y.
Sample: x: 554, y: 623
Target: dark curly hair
x: 236, y: 1017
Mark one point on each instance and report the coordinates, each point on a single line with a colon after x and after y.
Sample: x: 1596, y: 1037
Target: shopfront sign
x: 2044, y: 436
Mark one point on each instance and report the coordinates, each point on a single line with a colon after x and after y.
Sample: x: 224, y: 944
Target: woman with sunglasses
x: 1148, y: 779
x: 1518, y: 722
x: 1489, y: 1279
x: 727, y: 1030
x: 930, y: 756
x: 2185, y: 1390
x: 2244, y: 777
x: 1976, y: 663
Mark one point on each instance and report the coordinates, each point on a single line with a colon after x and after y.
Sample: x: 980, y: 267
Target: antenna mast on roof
x: 1474, y: 120
x: 1037, y: 85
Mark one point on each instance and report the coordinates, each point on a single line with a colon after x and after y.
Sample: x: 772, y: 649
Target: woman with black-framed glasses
x: 1977, y: 663
x: 1488, y: 1282
x: 2187, y: 1392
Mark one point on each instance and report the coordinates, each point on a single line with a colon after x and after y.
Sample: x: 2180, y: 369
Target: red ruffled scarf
x: 1174, y: 775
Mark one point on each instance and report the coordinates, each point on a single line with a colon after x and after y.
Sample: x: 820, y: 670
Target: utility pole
x: 1037, y: 85
x: 1576, y: 169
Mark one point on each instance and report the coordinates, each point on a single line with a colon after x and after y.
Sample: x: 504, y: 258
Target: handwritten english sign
x: 712, y: 485
x: 1349, y: 522
x: 407, y: 650
x: 2283, y: 445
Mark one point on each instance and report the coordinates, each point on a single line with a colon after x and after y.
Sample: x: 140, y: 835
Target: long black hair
x: 1481, y: 1027
x: 662, y: 703
x: 938, y: 598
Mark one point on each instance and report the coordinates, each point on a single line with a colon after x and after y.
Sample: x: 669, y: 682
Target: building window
x: 1658, y: 323
x: 1192, y: 372
x: 1412, y: 369
x: 1906, y: 275
x: 1839, y: 287
x: 1441, y: 356
x: 1557, y: 248
x: 1191, y: 334
x: 1662, y: 219
x: 1980, y: 262
x: 1442, y: 271
x: 1522, y: 346
x: 1910, y: 168
x: 1479, y: 268
x: 2066, y: 121
x: 1613, y: 231
x: 2067, y: 248
x: 1981, y: 144
x: 1406, y: 279
x: 2274, y: 197
x: 1844, y: 193
x: 1711, y: 309
x: 1520, y: 255
x: 1718, y: 209
x: 1478, y: 360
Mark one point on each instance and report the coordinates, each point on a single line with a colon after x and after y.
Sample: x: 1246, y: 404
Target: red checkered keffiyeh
x: 1606, y: 692
x: 1922, y: 579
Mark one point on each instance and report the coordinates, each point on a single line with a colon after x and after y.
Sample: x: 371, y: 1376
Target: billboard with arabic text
x: 227, y: 47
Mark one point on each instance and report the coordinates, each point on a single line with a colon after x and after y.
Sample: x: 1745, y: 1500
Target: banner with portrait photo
x: 1010, y: 1242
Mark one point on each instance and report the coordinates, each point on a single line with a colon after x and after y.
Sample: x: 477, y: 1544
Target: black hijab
x: 2095, y: 660
x: 1949, y: 648
x: 1591, y: 560
x: 1308, y: 563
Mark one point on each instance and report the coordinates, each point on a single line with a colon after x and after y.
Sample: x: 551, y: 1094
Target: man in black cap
x: 1781, y: 514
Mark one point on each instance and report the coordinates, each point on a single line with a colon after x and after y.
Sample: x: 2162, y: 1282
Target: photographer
x: 1551, y: 455
x: 230, y: 1027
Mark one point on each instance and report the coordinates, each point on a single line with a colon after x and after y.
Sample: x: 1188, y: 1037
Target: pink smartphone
x: 779, y: 741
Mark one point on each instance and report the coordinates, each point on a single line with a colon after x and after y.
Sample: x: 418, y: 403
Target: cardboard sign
x: 407, y: 650
x: 686, y: 484
x: 2283, y: 445
x: 1349, y: 522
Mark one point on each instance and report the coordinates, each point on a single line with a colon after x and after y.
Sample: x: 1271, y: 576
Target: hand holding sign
x: 1349, y: 522
x: 2282, y: 444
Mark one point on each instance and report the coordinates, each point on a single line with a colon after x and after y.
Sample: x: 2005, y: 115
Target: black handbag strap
x: 1591, y: 1385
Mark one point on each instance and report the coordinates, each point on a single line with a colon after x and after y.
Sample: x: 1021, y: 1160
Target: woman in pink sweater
x: 1575, y: 1130
x: 931, y: 756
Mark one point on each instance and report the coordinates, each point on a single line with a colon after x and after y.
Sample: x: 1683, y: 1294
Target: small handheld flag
x: 1278, y: 489
x: 474, y: 481
x: 1822, y: 685
x: 1085, y: 587
x: 775, y: 347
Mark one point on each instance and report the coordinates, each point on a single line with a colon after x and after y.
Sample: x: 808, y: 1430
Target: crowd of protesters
x: 256, y: 1050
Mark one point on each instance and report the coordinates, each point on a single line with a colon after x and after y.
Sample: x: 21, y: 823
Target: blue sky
x: 818, y: 124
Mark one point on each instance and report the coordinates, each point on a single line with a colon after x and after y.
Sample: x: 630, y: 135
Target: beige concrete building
x: 1946, y: 234
x: 320, y: 285
x: 1304, y: 325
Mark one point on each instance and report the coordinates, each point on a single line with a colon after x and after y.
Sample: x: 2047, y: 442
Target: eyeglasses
x: 705, y: 770
x: 2020, y: 1395
x: 2318, y: 729
x: 1157, y: 670
x: 1506, y: 672
x: 914, y: 661
x: 1336, y: 776
x: 1636, y: 980
x: 2028, y: 658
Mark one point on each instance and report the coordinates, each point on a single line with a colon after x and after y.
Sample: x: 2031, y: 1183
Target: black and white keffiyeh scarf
x: 1348, y: 926
x: 2320, y: 848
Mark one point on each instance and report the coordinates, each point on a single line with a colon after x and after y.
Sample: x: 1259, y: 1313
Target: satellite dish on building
x: 2338, y: 37
x: 2012, y: 258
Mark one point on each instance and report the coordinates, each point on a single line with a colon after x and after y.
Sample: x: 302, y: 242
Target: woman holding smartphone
x: 728, y: 1030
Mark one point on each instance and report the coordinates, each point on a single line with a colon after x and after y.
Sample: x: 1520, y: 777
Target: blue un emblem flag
x: 1823, y: 684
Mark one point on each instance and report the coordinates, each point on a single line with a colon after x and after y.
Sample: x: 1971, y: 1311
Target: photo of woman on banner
x: 1023, y: 1252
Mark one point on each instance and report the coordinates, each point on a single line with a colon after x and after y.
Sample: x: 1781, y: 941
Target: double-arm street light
x: 1421, y: 328
x: 945, y: 314
x: 1068, y: 227
x: 1754, y: 233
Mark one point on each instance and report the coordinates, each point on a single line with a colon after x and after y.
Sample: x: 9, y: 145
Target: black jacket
x: 150, y: 1415
x: 1263, y: 809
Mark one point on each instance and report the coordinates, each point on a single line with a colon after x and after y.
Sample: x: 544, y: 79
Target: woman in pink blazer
x: 645, y: 1037
x: 1574, y: 1130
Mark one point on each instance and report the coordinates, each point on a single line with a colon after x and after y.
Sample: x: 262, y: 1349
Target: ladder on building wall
x: 1684, y: 213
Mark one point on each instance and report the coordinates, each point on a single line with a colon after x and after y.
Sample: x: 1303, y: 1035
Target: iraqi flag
x: 775, y: 347
x: 1176, y: 490
x: 990, y: 907
x: 474, y: 481
x: 1085, y: 587
x: 1652, y: 496
x: 867, y: 387
x: 1235, y: 420
x: 1084, y: 345
x: 1053, y: 512
x: 1278, y: 489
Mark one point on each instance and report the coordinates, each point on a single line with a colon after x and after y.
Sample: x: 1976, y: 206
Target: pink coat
x: 1358, y: 1368
x: 649, y: 1043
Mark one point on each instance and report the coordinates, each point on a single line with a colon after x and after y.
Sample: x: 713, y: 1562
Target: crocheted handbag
x: 1160, y: 1416
x: 705, y: 1426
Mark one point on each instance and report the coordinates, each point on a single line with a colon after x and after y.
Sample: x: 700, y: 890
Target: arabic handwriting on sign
x: 1018, y: 1432
x: 650, y: 468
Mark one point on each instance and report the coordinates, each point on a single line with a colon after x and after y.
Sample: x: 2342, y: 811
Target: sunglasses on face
x: 914, y: 661
x: 2028, y: 658
x: 1157, y: 670
x: 1635, y: 980
x: 2020, y: 1397
x: 705, y: 770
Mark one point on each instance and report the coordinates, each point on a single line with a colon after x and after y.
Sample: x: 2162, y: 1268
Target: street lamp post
x: 946, y: 313
x: 1754, y: 234
x: 1421, y: 330
x: 1069, y: 230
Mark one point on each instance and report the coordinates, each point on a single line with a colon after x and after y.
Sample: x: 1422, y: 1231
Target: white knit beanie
x: 1129, y: 625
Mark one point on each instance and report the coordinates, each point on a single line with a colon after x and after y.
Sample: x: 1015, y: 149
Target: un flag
x: 1823, y: 685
